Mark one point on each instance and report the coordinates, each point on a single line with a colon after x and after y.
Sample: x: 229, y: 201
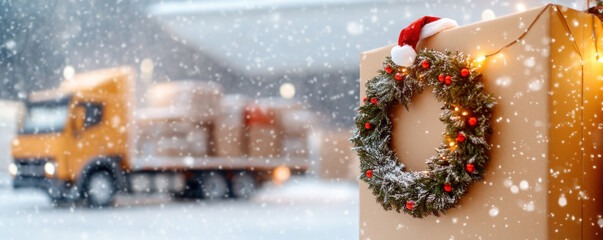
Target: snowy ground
x: 303, y: 208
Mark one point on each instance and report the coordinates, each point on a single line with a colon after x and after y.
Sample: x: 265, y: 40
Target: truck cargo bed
x: 222, y: 163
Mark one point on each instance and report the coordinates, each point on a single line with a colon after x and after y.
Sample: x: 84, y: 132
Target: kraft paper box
x: 173, y: 138
x: 229, y: 135
x: 337, y: 160
x: 194, y: 100
x: 545, y: 176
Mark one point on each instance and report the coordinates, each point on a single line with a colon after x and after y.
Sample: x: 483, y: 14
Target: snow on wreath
x: 466, y: 110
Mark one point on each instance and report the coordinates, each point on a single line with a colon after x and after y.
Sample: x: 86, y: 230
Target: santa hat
x: 404, y: 53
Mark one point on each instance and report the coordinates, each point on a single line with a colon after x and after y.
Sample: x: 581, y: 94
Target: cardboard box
x: 195, y: 100
x: 295, y: 122
x: 167, y: 138
x: 229, y: 136
x: 336, y: 159
x: 295, y: 146
x: 262, y: 133
x: 544, y: 177
x: 263, y: 141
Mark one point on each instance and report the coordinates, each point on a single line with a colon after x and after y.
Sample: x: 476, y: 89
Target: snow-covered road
x: 303, y: 208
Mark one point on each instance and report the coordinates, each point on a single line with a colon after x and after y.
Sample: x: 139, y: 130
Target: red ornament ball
x: 472, y: 121
x: 373, y: 100
x: 399, y: 76
x: 364, y: 99
x: 441, y: 78
x: 448, y: 79
x: 389, y: 69
x: 410, y: 205
x: 470, y: 168
x: 460, y: 137
x: 447, y: 187
x: 465, y: 72
x: 367, y: 125
x: 369, y: 173
x: 425, y: 64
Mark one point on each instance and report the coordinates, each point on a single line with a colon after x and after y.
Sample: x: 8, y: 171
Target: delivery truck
x: 89, y: 140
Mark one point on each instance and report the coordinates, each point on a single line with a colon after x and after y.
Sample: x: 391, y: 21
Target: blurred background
x: 303, y: 54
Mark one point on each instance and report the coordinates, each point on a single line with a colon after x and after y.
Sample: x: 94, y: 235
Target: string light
x: 480, y: 59
x: 451, y: 144
x: 465, y: 113
x: 456, y: 109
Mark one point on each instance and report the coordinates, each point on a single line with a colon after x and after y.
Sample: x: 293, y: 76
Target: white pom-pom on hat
x: 404, y: 53
x: 403, y: 56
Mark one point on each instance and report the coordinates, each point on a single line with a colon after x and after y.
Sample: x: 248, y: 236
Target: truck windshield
x: 45, y: 117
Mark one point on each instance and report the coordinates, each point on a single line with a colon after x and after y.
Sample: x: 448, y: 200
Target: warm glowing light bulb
x: 281, y: 174
x: 451, y: 144
x: 599, y: 59
x: 480, y: 59
x: 465, y: 113
x: 403, y: 69
x: 287, y: 90
x: 426, y: 172
x: 520, y: 7
x: 456, y: 109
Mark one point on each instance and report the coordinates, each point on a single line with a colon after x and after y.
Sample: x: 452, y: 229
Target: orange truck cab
x: 75, y: 136
x: 77, y: 142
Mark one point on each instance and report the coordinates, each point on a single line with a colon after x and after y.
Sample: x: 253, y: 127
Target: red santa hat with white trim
x: 404, y: 53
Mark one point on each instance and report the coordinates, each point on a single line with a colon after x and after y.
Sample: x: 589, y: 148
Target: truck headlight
x: 49, y: 168
x: 13, y: 169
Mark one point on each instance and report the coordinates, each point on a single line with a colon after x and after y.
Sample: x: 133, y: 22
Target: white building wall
x: 9, y: 112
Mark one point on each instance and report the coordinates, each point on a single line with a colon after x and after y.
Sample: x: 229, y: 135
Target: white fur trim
x: 432, y: 28
x: 403, y: 56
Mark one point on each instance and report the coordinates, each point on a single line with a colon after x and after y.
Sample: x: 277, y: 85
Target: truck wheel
x: 214, y: 185
x: 99, y: 189
x: 242, y: 185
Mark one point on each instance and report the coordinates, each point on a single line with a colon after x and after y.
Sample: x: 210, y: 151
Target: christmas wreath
x: 462, y: 157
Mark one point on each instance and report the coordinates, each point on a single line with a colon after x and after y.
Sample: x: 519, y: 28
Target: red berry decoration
x: 472, y: 121
x: 373, y: 100
x: 470, y: 168
x: 448, y: 79
x: 367, y: 125
x: 364, y: 99
x: 410, y: 205
x: 399, y: 76
x: 425, y: 64
x: 460, y: 137
x: 369, y: 173
x: 389, y: 69
x: 447, y: 187
x: 441, y: 78
x: 465, y: 72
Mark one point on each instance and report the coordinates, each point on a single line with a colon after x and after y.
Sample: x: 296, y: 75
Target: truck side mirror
x: 79, y: 115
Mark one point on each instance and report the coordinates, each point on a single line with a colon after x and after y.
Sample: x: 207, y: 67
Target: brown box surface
x: 169, y: 138
x: 263, y: 141
x: 195, y: 100
x: 336, y: 158
x: 544, y: 177
x: 229, y: 135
